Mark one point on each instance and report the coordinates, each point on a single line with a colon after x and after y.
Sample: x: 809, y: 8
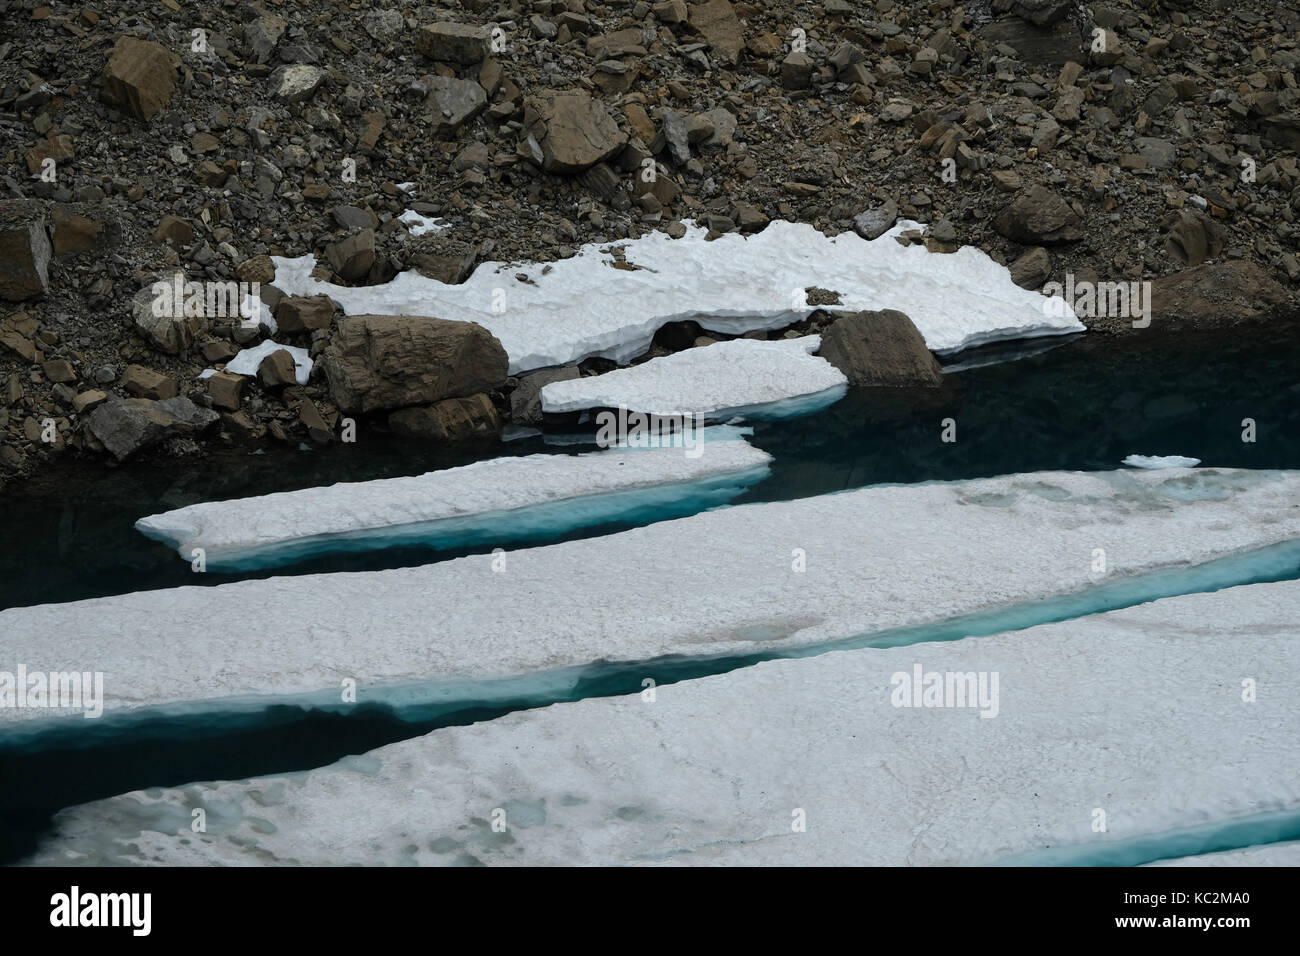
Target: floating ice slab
x: 1273, y: 854
x: 560, y: 312
x: 1136, y: 714
x: 715, y: 380
x: 1160, y: 461
x: 501, y: 497
x: 248, y: 360
x: 733, y: 581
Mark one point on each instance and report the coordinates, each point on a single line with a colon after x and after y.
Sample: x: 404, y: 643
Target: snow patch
x: 596, y: 304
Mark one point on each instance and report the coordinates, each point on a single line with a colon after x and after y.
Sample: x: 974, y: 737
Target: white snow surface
x: 561, y: 312
x: 1160, y: 461
x: 420, y: 224
x: 247, y: 361
x: 495, y: 485
x: 711, y: 379
x: 1136, y: 711
x: 720, y: 582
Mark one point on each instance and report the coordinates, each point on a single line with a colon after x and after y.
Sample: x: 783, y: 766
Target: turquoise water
x: 1081, y: 406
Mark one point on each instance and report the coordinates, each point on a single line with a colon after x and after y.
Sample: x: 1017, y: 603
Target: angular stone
x: 379, y: 362
x: 1194, y: 238
x: 262, y: 34
x: 174, y: 229
x: 318, y: 430
x: 461, y: 43
x: 124, y: 427
x: 1039, y: 217
x: 226, y: 390
x: 875, y: 349
x: 526, y: 399
x: 296, y: 82
x: 304, y: 313
x: 572, y: 130
x: 452, y: 102
x: 1217, y: 295
x: 352, y: 257
x: 88, y: 400
x: 59, y: 370
x: 453, y: 419
x: 146, y: 383
x: 716, y: 21
x: 1031, y: 270
x: 874, y: 223
x: 24, y: 251
x: 277, y: 369
x: 73, y: 233
x: 161, y: 319
x: 140, y: 77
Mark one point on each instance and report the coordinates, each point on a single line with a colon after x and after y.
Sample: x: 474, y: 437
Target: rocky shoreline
x: 1113, y: 142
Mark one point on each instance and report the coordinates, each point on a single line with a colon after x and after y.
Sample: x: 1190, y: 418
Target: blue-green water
x: 1082, y: 406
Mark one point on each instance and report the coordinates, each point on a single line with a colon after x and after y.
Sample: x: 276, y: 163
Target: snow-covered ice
x: 1273, y: 854
x: 487, y: 496
x: 716, y: 380
x: 1137, y: 713
x: 1160, y: 461
x: 420, y: 224
x: 723, y: 582
x: 555, y: 313
x: 248, y: 360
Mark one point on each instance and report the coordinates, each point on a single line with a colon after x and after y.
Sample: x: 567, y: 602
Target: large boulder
x: 382, y: 362
x: 159, y: 315
x: 140, y: 77
x: 883, y: 348
x: 1039, y: 217
x: 124, y: 427
x: 24, y: 251
x: 1215, y: 295
x: 572, y: 131
x: 453, y: 419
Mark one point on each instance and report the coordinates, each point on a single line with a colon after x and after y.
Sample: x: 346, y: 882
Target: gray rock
x: 1039, y: 217
x: 452, y: 102
x: 876, y: 222
x: 24, y: 252
x: 296, y: 82
x: 125, y: 427
x: 159, y: 315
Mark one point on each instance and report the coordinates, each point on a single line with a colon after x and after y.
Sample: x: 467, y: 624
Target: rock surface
x: 880, y: 349
x: 382, y: 362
